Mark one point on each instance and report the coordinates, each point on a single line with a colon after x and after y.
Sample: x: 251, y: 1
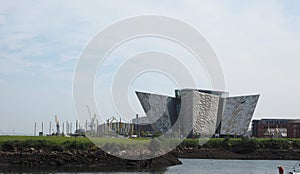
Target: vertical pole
x: 97, y: 124
x: 57, y: 128
x: 120, y: 124
x: 71, y: 128
x: 34, y: 129
x: 86, y: 127
x: 42, y: 128
x: 137, y: 125
x: 50, y: 128
x: 76, y: 124
x: 130, y: 129
x: 63, y: 128
x: 67, y: 127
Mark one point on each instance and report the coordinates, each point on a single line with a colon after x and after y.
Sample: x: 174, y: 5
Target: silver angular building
x: 199, y: 113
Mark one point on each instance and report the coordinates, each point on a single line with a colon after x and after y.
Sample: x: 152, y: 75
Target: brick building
x: 293, y: 130
x: 266, y: 128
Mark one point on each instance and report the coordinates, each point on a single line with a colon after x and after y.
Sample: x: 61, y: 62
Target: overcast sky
x: 256, y: 42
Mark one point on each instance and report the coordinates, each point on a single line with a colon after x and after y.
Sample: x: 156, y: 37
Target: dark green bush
x: 7, y: 146
x: 296, y: 144
x: 276, y: 144
x: 219, y: 143
x: 190, y: 143
x: 245, y: 145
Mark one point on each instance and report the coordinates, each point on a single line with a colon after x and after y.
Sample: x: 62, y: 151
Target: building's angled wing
x: 159, y: 109
x: 237, y: 114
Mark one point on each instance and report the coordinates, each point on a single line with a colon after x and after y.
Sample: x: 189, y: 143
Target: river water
x: 230, y: 166
x: 202, y: 166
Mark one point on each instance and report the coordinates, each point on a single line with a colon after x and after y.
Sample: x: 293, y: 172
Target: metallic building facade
x: 237, y: 114
x: 200, y: 113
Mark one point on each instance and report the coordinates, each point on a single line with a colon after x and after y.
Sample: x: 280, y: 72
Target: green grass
x: 8, y: 143
x: 82, y: 143
x: 46, y: 138
x: 252, y: 143
x: 66, y: 143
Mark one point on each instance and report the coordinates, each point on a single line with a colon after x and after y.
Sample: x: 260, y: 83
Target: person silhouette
x: 281, y: 169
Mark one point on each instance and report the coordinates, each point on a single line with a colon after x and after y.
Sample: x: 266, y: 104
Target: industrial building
x: 114, y: 126
x: 199, y: 113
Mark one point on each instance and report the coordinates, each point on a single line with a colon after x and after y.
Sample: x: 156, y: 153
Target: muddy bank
x: 79, y: 159
x: 260, y: 154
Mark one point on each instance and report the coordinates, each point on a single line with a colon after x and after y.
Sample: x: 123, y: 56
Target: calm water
x: 207, y: 167
x: 230, y: 166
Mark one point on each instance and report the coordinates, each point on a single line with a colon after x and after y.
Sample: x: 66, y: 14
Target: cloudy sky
x: 256, y: 42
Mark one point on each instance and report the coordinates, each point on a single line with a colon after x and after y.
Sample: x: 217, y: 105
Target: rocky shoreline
x: 98, y: 160
x: 101, y: 160
x: 215, y: 153
x: 80, y: 159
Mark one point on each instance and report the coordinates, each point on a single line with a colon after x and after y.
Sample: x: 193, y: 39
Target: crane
x: 93, y: 120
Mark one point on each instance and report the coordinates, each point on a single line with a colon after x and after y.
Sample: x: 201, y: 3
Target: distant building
x: 142, y: 124
x: 293, y: 130
x: 111, y: 128
x: 114, y: 127
x: 203, y: 112
x: 276, y: 128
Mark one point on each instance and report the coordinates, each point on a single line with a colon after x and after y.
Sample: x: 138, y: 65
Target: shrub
x: 276, y: 144
x: 246, y: 145
x: 219, y: 143
x: 296, y: 144
x: 7, y: 146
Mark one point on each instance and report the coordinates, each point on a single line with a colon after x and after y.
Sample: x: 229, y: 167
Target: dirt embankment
x: 215, y: 153
x: 99, y: 159
x: 79, y: 158
x: 75, y: 154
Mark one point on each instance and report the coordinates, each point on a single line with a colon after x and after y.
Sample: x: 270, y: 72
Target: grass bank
x: 242, y: 145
